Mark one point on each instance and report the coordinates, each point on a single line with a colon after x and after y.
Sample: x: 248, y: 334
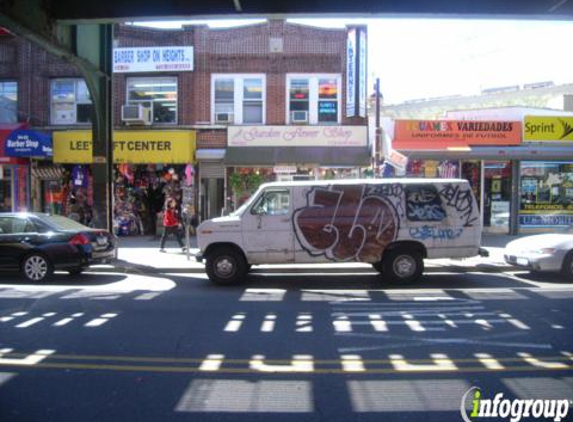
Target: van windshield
x: 239, y: 211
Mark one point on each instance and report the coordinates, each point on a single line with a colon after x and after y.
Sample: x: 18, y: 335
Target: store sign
x: 396, y: 159
x: 444, y: 134
x: 284, y: 169
x: 297, y: 136
x: 362, y: 73
x: 547, y: 128
x: 351, y: 73
x: 27, y: 143
x: 133, y: 147
x: 152, y: 59
x: 545, y: 220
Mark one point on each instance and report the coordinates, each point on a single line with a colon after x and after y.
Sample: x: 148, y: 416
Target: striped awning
x: 48, y: 173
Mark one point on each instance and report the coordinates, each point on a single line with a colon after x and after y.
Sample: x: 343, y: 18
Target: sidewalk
x: 141, y: 253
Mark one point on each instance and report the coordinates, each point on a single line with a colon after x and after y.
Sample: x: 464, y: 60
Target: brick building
x: 250, y: 104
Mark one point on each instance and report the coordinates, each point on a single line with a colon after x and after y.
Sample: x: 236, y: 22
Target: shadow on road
x: 63, y: 279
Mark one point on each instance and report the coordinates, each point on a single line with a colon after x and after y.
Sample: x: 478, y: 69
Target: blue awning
x: 28, y: 143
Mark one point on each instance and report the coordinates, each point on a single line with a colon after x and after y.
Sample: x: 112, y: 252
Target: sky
x: 427, y: 58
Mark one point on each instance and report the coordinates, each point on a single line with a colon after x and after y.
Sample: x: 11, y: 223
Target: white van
x: 392, y: 224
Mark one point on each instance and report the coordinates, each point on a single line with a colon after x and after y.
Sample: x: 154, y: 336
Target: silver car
x: 551, y: 252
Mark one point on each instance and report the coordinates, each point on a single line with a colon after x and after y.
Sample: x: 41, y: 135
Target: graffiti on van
x: 348, y: 222
x: 462, y: 200
x: 435, y: 233
x: 423, y: 203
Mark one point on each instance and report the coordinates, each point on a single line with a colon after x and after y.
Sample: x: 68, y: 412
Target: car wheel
x: 567, y: 268
x: 36, y: 267
x: 76, y: 271
x: 226, y: 265
x: 403, y: 266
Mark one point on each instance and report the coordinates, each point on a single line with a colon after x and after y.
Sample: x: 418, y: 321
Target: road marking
x: 268, y: 324
x: 488, y: 361
x: 304, y: 323
x: 235, y: 323
x: 377, y: 323
x: 342, y: 324
x: 30, y: 322
x: 440, y: 363
x: 97, y: 322
x: 27, y: 360
x: 299, y: 363
x: 517, y: 323
x: 352, y: 363
x: 212, y: 362
x: 413, y: 324
x: 542, y: 364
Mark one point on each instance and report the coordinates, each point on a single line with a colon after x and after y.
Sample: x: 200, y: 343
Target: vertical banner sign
x: 362, y: 73
x: 351, y: 73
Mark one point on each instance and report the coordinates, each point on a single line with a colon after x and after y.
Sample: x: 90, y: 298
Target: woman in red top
x: 171, y: 224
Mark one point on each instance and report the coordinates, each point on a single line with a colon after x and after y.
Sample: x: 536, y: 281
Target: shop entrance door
x: 212, y: 196
x: 497, y: 196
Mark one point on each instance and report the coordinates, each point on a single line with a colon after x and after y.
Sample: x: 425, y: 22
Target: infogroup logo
x: 514, y: 410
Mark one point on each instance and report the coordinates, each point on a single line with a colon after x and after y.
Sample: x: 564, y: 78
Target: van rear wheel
x: 403, y: 266
x: 226, y: 265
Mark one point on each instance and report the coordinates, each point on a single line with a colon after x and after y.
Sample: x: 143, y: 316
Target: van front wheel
x: 403, y: 266
x: 226, y: 265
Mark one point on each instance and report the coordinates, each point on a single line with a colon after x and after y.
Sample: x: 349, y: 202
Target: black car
x: 37, y: 244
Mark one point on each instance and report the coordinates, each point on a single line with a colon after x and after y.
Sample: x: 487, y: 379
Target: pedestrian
x: 171, y: 224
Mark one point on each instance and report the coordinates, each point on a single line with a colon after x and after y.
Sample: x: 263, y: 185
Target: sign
x: 351, y: 73
x: 396, y: 159
x: 134, y: 147
x: 152, y: 59
x: 547, y: 128
x: 297, y: 136
x: 27, y: 143
x: 444, y: 134
x: 362, y: 73
x: 284, y: 169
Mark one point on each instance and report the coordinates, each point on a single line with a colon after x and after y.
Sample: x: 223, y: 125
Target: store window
x: 238, y: 99
x: 313, y: 99
x: 8, y: 102
x: 546, y: 194
x: 70, y: 102
x: 159, y: 94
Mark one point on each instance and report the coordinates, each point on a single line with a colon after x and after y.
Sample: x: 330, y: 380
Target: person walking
x: 171, y: 224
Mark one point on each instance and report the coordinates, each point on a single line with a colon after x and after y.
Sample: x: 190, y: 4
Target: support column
x: 514, y: 202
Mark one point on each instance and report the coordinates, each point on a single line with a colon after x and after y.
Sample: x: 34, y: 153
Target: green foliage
x: 245, y: 184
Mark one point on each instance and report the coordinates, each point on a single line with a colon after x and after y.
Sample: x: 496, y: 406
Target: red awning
x: 5, y: 130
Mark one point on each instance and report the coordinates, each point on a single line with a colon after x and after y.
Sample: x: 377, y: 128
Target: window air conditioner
x: 299, y: 116
x: 223, y: 117
x: 136, y: 114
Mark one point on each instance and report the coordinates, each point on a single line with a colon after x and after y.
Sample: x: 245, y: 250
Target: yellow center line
x: 277, y: 361
x: 184, y: 369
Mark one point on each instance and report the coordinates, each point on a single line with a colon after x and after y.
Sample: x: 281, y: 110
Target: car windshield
x: 63, y: 223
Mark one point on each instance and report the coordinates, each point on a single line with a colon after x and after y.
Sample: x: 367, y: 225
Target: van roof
x: 386, y: 181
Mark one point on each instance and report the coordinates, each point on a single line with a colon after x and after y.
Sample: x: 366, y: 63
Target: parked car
x: 552, y: 252
x: 392, y: 224
x: 37, y: 244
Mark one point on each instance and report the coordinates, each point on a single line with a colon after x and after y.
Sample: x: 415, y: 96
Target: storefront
x: 546, y: 187
x: 478, y: 151
x: 150, y: 166
x: 257, y: 154
x: 14, y: 174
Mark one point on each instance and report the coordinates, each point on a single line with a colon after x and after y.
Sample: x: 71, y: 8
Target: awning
x: 28, y: 143
x: 309, y: 156
x: 209, y: 154
x: 53, y: 172
x: 523, y: 152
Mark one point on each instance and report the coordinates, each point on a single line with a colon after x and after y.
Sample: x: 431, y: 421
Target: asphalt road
x: 283, y: 346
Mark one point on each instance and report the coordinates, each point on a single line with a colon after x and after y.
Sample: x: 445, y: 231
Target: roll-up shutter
x: 211, y: 170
